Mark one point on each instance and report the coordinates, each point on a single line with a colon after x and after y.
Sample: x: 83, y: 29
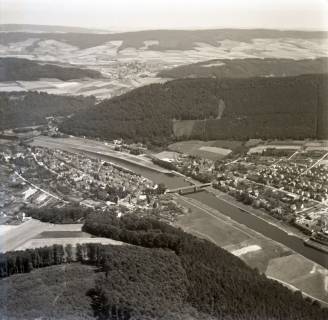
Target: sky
x: 168, y: 14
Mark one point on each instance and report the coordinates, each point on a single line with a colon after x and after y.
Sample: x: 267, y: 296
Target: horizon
x: 304, y: 15
x: 190, y: 28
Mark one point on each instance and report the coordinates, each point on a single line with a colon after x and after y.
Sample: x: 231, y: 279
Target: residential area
x: 37, y: 177
x: 290, y: 184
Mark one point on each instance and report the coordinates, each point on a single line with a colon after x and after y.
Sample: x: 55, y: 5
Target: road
x: 38, y: 188
x: 315, y: 164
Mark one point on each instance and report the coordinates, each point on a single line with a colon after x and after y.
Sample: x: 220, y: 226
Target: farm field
x: 101, y: 89
x: 130, y: 67
x: 304, y: 275
x: 36, y: 234
x: 213, y: 150
x: 295, y: 145
x: 13, y: 237
x: 39, y: 243
x: 208, y: 223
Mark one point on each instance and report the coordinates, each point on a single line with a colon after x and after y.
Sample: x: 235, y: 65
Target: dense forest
x: 219, y: 283
x: 165, y: 274
x: 114, y: 282
x: 13, y: 69
x: 248, y: 68
x: 19, y: 109
x: 64, y: 215
x: 287, y: 107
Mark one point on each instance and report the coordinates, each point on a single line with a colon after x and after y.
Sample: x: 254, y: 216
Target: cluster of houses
x: 287, y: 189
x: 291, y: 177
x: 198, y: 168
x: 277, y: 203
x: 99, y: 184
x: 40, y: 177
x: 15, y: 192
x: 133, y: 148
x: 81, y: 178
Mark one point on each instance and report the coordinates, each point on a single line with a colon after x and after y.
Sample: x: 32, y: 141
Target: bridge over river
x: 189, y: 189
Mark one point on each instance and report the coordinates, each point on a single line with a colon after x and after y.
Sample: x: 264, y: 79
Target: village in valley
x: 38, y: 177
x: 290, y: 183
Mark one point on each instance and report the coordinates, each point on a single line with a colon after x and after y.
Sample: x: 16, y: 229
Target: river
x: 242, y: 217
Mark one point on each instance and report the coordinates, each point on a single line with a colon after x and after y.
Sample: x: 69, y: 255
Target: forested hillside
x: 21, y: 109
x: 165, y: 274
x: 127, y: 282
x: 219, y: 283
x: 247, y: 68
x: 285, y: 107
x: 12, y: 69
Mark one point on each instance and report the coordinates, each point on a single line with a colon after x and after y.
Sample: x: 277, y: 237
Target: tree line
x: 220, y: 284
x: 64, y: 215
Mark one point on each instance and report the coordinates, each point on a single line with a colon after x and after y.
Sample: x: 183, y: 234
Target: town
x: 35, y: 177
x: 290, y: 185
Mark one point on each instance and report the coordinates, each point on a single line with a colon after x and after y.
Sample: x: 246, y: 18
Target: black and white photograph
x: 163, y: 160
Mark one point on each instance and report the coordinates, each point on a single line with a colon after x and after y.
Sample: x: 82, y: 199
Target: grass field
x: 305, y: 275
x: 62, y: 234
x: 39, y: 243
x: 213, y: 150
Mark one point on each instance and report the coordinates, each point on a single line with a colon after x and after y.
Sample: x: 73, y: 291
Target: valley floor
x: 268, y: 256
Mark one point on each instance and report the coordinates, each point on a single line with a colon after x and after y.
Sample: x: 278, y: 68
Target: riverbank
x: 256, y: 250
x: 96, y: 147
x: 287, y: 228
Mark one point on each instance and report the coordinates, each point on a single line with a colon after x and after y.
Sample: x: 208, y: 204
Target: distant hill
x: 12, y: 69
x: 167, y: 39
x: 288, y: 107
x: 43, y: 28
x: 20, y: 109
x: 247, y: 68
